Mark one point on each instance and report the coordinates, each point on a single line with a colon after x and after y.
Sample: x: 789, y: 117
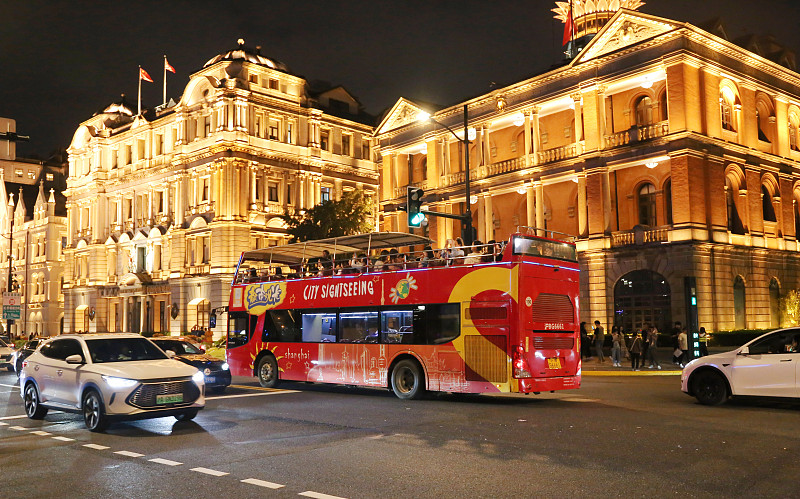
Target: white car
x: 6, y: 352
x: 768, y: 366
x: 107, y: 377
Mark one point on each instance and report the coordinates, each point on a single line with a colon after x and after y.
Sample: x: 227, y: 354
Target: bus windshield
x: 532, y: 246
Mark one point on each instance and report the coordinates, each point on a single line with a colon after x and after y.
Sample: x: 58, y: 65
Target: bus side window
x: 443, y: 323
x: 397, y: 326
x: 319, y: 327
x: 280, y: 325
x: 239, y: 325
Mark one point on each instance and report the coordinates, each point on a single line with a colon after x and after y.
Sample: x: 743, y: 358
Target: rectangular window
x: 324, y: 138
x: 240, y: 326
x: 358, y: 326
x: 114, y: 158
x: 346, y: 141
x: 18, y: 172
x: 325, y: 194
x: 282, y: 325
x: 289, y: 194
x: 159, y: 144
x: 206, y: 181
x: 140, y: 149
x: 290, y: 133
x: 274, y: 128
x: 48, y: 177
x: 258, y: 125
x: 365, y: 148
x: 274, y: 84
x: 319, y: 327
x: 128, y: 154
x: 272, y: 192
x: 31, y: 174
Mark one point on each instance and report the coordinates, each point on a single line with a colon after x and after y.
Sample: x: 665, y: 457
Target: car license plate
x: 169, y: 399
x: 554, y: 363
x: 210, y: 379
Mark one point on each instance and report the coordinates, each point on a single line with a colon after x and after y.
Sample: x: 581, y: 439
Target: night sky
x: 61, y: 61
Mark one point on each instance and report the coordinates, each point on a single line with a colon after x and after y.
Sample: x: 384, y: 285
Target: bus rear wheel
x: 407, y: 380
x: 267, y: 371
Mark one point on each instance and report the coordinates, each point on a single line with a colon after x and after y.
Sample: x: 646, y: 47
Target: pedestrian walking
x: 616, y: 347
x: 652, y: 343
x: 599, y: 339
x: 636, y: 351
x: 683, y: 346
x: 704, y: 337
x: 586, y: 342
x: 676, y: 330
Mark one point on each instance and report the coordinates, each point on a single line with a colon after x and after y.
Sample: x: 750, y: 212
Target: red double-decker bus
x: 500, y: 320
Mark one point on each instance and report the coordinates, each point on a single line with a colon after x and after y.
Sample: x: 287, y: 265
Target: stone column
x: 488, y: 217
x: 539, y: 191
x: 583, y: 225
x: 530, y: 205
x: 481, y: 225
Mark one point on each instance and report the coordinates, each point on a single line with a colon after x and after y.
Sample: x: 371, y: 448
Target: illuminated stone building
x: 670, y: 151
x: 162, y: 204
x: 39, y: 233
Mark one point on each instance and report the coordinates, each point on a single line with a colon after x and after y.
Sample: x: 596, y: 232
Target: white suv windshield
x: 123, y: 350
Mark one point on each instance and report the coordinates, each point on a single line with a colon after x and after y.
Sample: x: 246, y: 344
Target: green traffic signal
x: 414, y: 206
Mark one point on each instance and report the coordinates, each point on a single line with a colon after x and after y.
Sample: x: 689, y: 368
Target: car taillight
x: 521, y: 369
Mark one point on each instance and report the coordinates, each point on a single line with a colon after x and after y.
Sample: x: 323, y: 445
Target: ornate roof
x: 242, y: 53
x: 586, y: 7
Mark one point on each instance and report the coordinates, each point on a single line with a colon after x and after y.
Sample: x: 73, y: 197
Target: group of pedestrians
x: 641, y: 350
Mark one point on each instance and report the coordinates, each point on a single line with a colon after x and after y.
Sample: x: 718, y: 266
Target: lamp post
x: 10, y: 257
x: 466, y: 217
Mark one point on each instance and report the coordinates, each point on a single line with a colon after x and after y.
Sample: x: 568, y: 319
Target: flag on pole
x: 569, y: 27
x: 144, y: 76
x: 168, y: 66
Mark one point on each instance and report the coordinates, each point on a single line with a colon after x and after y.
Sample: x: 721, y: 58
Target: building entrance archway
x: 642, y: 297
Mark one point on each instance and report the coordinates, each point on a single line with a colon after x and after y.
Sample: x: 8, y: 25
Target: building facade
x: 161, y: 205
x: 669, y: 151
x: 34, y: 227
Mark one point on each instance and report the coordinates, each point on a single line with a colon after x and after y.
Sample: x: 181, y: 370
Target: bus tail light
x: 521, y: 369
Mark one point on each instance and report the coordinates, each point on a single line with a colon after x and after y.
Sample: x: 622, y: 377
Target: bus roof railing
x: 303, y: 251
x: 548, y: 233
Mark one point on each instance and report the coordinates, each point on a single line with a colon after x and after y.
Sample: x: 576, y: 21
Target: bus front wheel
x: 267, y: 371
x: 407, y: 380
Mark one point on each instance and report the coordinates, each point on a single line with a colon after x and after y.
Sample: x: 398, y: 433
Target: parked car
x: 217, y: 373
x: 108, y: 377
x: 22, y: 353
x: 764, y: 367
x: 6, y: 354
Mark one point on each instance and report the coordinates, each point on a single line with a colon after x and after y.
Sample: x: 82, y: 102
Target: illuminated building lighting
x: 651, y: 164
x: 519, y: 119
x: 473, y: 199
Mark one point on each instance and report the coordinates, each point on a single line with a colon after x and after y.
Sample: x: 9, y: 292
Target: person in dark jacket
x: 636, y: 351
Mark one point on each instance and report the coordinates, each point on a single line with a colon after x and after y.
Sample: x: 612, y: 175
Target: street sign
x: 12, y: 308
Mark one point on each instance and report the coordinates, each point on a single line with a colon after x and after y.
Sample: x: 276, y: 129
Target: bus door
x: 486, y: 341
x: 548, y: 341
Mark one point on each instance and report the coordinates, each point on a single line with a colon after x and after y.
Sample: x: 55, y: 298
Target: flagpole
x: 139, y: 112
x: 571, y: 31
x: 165, y: 79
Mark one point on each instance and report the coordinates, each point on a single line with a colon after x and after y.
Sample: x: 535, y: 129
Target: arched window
x: 766, y: 205
x: 762, y: 135
x: 774, y: 303
x: 739, y: 303
x: 794, y: 121
x: 668, y: 201
x: 726, y: 102
x: 647, y: 205
x: 734, y: 222
x: 664, y: 106
x: 644, y: 111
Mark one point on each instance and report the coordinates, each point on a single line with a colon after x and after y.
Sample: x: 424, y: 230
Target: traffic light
x: 414, y: 206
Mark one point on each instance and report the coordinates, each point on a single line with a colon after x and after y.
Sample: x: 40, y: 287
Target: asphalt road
x: 616, y: 436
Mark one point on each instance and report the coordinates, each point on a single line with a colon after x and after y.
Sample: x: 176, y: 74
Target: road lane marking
x: 165, y: 461
x: 209, y: 472
x: 18, y: 428
x: 250, y: 395
x: 64, y: 439
x: 262, y: 483
x: 96, y: 446
x: 318, y: 495
x: 13, y: 417
x: 10, y: 386
x: 128, y: 453
x: 3, y: 424
x: 41, y: 433
x: 262, y: 389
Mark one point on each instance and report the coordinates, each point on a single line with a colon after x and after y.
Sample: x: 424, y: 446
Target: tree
x: 791, y: 308
x: 350, y: 215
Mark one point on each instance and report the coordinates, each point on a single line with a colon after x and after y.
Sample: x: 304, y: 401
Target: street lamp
x: 469, y: 134
x: 10, y: 257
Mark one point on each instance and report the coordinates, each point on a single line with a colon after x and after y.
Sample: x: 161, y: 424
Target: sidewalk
x: 591, y: 367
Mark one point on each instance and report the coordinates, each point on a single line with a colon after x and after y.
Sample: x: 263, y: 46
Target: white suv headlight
x: 118, y: 383
x: 198, y: 377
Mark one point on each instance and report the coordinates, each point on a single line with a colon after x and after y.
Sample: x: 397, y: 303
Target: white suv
x: 107, y: 377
